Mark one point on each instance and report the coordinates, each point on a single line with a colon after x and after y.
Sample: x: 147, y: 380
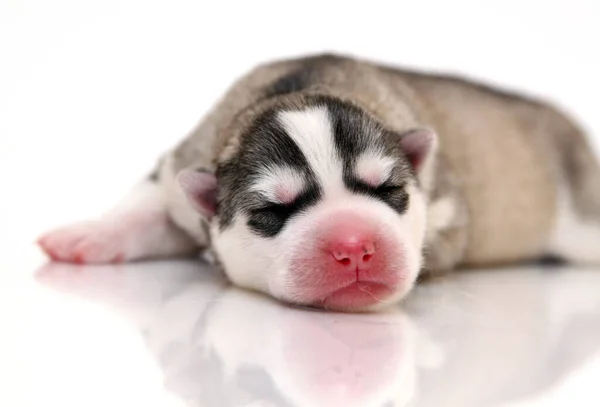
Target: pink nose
x: 353, y: 252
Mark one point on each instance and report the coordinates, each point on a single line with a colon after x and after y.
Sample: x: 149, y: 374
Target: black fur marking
x: 264, y: 144
x: 355, y: 132
x: 307, y: 74
x: 270, y: 219
x: 349, y: 139
x: 295, y: 81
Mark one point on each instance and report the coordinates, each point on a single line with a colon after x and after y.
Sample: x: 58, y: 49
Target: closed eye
x: 271, y: 217
x: 268, y: 220
x: 382, y: 190
x: 276, y: 208
x: 392, y: 194
x: 386, y: 189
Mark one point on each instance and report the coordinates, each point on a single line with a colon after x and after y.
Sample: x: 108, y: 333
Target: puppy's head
x: 319, y: 205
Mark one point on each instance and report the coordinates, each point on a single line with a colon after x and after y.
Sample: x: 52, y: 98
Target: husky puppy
x: 334, y: 182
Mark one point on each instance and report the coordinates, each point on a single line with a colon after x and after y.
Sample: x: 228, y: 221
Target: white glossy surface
x: 175, y: 334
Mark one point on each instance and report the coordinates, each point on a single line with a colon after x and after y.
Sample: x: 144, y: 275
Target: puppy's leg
x: 576, y: 237
x: 137, y: 228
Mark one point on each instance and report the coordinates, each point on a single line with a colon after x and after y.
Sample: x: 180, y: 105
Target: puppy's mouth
x: 356, y: 296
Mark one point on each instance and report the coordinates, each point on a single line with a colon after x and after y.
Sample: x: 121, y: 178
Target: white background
x: 91, y: 92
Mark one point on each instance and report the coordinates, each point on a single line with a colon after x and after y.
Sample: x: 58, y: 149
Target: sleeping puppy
x: 334, y: 182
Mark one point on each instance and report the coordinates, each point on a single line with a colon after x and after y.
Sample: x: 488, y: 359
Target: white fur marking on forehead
x: 279, y: 184
x: 374, y: 168
x: 312, y: 131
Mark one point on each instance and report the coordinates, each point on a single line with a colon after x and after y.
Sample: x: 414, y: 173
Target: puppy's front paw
x: 90, y: 242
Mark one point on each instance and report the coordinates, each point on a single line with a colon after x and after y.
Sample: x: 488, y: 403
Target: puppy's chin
x: 349, y: 296
x: 357, y: 296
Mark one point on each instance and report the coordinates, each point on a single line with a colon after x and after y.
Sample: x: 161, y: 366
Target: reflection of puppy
x: 332, y: 181
x: 221, y: 347
x: 492, y: 351
x: 318, y: 359
x: 243, y: 348
x: 500, y: 336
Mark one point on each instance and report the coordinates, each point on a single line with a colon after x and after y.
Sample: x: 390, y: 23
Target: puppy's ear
x: 200, y: 187
x: 420, y: 148
x: 419, y: 145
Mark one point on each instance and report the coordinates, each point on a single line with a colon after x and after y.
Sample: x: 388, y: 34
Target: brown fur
x: 501, y: 157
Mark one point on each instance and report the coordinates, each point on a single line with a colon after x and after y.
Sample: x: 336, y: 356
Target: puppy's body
x: 509, y: 179
x: 503, y: 159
